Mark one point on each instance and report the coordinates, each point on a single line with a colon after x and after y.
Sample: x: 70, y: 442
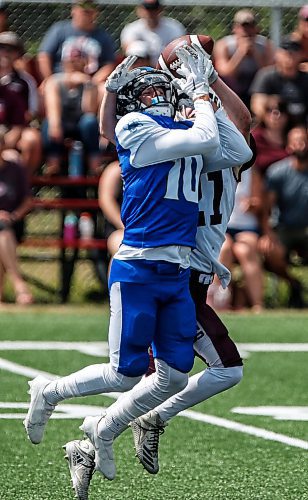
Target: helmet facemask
x: 128, y: 98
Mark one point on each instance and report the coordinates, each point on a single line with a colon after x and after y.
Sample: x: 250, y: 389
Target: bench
x: 67, y: 251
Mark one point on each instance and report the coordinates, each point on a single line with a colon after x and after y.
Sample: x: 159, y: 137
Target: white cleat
x: 80, y: 455
x: 146, y: 432
x: 104, y: 459
x: 39, y: 410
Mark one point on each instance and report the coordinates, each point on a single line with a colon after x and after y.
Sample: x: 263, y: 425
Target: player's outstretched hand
x: 195, y: 69
x: 121, y: 75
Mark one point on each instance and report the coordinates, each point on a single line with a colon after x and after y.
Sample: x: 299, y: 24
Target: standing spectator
x: 83, y: 30
x: 301, y: 35
x: 71, y: 111
x: 15, y: 202
x: 18, y: 103
x: 285, y: 80
x: 287, y: 184
x: 239, y: 56
x: 151, y: 27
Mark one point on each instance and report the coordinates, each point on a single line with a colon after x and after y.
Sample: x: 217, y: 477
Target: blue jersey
x: 160, y: 202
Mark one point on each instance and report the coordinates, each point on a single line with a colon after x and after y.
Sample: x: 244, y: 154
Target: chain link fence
x: 32, y: 19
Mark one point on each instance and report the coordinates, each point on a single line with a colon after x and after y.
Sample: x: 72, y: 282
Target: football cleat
x: 39, y: 410
x: 104, y: 459
x: 81, y: 462
x: 146, y: 432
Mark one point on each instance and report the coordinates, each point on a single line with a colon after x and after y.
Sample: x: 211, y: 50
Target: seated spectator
x: 300, y: 35
x: 18, y: 104
x: 285, y: 80
x: 287, y: 188
x: 239, y: 56
x: 271, y: 134
x: 83, y: 30
x: 15, y: 202
x: 241, y: 245
x: 152, y: 27
x: 70, y: 99
x: 110, y: 200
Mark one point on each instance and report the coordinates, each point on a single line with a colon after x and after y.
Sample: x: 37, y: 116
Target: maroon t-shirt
x: 14, y: 186
x: 267, y: 153
x: 14, y: 99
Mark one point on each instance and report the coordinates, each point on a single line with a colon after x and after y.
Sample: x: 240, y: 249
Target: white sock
x: 93, y: 379
x: 145, y: 396
x: 200, y: 387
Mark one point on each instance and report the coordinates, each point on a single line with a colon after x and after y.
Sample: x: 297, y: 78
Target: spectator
x: 151, y: 27
x: 239, y: 56
x: 287, y: 184
x: 271, y: 134
x: 142, y: 51
x: 110, y: 200
x: 18, y: 103
x: 15, y: 202
x: 81, y: 30
x: 301, y: 35
x: 71, y: 111
x: 285, y: 80
x: 4, y: 26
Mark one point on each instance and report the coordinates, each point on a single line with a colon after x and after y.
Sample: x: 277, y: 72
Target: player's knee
x: 233, y: 375
x: 169, y: 379
x: 121, y: 382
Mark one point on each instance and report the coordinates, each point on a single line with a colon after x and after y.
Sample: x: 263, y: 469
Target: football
x: 168, y: 60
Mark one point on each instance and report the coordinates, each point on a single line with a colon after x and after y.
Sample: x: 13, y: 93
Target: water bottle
x: 86, y: 226
x: 70, y: 228
x: 75, y: 161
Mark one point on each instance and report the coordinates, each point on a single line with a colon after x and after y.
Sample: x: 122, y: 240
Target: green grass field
x: 201, y: 457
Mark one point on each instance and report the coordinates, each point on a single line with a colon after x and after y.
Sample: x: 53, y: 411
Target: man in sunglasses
x: 240, y: 55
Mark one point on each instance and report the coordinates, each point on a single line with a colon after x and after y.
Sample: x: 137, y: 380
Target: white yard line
x: 92, y: 348
x: 201, y: 417
x: 246, y: 429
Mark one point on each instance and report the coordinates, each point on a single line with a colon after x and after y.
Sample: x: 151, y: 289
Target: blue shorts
x: 150, y: 304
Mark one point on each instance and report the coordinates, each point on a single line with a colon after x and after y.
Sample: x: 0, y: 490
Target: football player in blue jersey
x: 212, y: 342
x: 161, y: 162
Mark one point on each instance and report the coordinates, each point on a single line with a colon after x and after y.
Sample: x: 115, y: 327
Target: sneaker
x: 81, y: 461
x: 146, y: 431
x: 104, y: 459
x: 39, y: 410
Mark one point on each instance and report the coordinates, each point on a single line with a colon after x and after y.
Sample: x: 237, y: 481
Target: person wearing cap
x: 71, y: 104
x: 152, y: 27
x: 283, y: 79
x: 83, y: 28
x: 18, y: 104
x: 301, y: 35
x: 240, y: 55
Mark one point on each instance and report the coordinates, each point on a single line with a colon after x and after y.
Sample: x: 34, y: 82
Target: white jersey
x: 156, y: 39
x: 215, y: 208
x: 217, y: 201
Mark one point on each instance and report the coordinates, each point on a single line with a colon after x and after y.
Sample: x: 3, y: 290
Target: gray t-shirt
x: 97, y: 44
x: 291, y: 189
